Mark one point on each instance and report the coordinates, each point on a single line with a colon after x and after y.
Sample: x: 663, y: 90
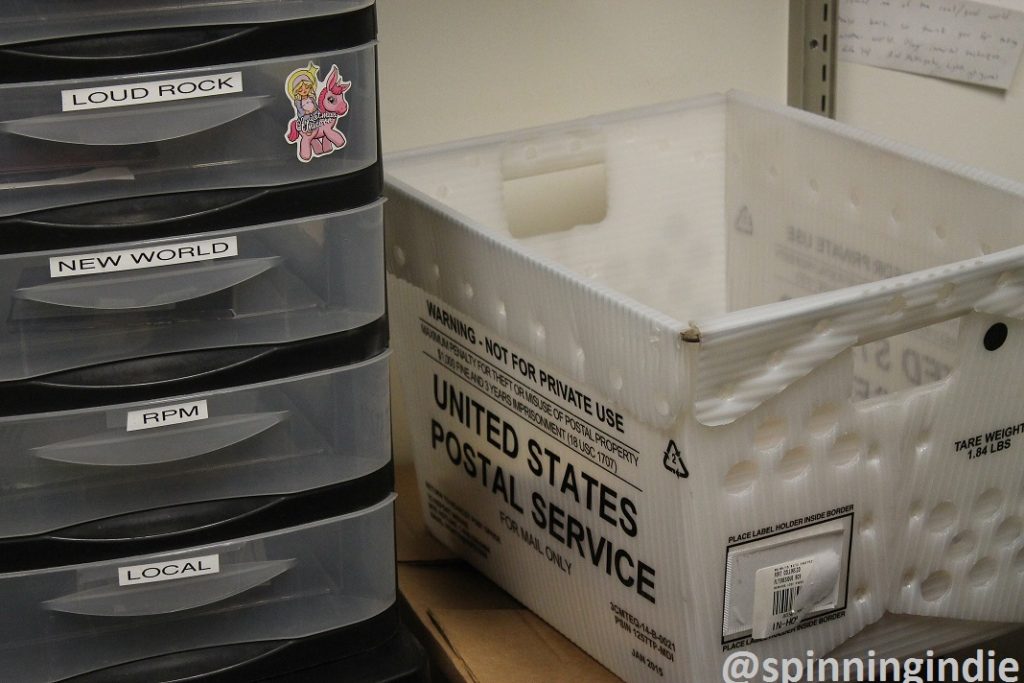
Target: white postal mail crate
x: 714, y: 375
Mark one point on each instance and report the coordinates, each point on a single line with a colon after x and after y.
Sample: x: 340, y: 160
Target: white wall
x: 458, y: 68
x: 974, y: 125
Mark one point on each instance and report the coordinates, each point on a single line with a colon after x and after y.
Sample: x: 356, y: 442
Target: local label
x: 107, y: 96
x: 172, y: 570
x: 162, y: 416
x: 153, y: 256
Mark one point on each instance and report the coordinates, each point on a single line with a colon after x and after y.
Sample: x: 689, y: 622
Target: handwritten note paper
x: 972, y: 42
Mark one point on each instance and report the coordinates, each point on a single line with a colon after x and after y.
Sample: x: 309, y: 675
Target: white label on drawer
x: 185, y: 568
x: 107, y: 96
x: 143, y: 257
x: 162, y: 416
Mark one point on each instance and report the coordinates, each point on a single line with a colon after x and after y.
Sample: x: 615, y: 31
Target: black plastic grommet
x: 995, y: 336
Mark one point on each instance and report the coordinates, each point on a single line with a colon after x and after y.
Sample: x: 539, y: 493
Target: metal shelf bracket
x: 812, y: 55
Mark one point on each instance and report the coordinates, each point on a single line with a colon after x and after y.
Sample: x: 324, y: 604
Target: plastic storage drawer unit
x: 27, y: 20
x: 185, y: 109
x: 280, y: 584
x: 276, y: 283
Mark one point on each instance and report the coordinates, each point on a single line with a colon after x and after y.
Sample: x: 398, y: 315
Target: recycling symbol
x: 673, y: 460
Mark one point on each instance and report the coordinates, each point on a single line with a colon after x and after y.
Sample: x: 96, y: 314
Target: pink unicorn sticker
x: 318, y: 106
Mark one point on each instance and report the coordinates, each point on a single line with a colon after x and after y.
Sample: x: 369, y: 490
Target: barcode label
x: 782, y: 601
x: 777, y: 607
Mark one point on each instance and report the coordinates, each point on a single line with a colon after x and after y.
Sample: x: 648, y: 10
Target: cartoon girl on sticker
x: 302, y: 89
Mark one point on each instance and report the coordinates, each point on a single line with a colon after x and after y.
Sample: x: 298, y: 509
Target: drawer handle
x: 161, y: 444
x: 95, y: 175
x: 147, y: 288
x: 166, y: 597
x: 125, y: 46
x: 135, y: 126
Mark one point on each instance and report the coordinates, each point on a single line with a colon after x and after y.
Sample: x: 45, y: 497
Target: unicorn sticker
x: 318, y: 106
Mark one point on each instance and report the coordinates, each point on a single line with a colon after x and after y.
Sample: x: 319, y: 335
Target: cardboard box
x: 475, y: 632
x: 752, y: 394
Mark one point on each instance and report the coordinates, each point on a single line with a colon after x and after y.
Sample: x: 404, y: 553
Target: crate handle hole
x: 556, y: 201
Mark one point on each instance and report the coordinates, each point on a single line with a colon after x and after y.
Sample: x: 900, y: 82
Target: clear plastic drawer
x: 289, y: 583
x: 70, y: 467
x: 110, y: 131
x: 271, y: 283
x: 28, y: 20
